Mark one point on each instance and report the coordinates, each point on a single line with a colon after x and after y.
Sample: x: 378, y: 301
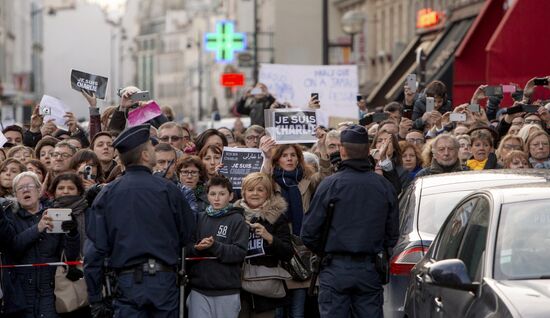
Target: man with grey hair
x: 252, y: 136
x: 445, y: 156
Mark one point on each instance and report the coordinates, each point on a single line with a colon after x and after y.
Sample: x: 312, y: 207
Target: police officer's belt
x: 151, y: 267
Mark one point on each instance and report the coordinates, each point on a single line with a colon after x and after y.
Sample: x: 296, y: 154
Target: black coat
x: 14, y: 299
x: 273, y: 218
x: 30, y: 247
x: 136, y: 217
x: 366, y: 215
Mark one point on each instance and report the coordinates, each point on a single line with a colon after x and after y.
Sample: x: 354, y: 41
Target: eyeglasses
x: 173, y: 138
x: 250, y: 138
x: 539, y: 144
x: 415, y: 140
x: 62, y: 155
x: 512, y: 147
x: 533, y: 121
x: 26, y: 187
x: 189, y: 173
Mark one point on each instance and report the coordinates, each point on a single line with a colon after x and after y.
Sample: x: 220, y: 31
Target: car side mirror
x: 450, y: 273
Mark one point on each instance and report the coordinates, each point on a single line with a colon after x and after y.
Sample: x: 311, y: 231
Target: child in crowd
x: 222, y: 233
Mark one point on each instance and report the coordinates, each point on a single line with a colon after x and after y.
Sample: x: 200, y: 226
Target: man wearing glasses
x: 171, y: 133
x: 62, y: 154
x: 252, y: 136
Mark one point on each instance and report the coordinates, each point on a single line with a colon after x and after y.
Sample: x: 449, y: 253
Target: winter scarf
x: 289, y: 180
x: 211, y: 212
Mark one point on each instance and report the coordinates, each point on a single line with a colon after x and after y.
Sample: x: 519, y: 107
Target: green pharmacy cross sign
x: 225, y: 42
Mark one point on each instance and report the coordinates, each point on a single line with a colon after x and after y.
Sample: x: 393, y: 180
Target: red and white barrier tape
x: 75, y: 263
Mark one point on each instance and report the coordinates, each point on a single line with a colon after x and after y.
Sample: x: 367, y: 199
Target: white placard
x: 337, y: 86
x: 3, y: 139
x: 58, y: 109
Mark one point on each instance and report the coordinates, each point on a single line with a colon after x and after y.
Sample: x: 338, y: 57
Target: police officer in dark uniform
x: 138, y: 223
x: 365, y: 222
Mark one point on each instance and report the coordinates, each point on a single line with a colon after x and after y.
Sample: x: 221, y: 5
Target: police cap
x: 132, y: 137
x: 355, y: 134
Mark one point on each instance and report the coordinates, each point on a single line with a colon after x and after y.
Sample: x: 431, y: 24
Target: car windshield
x: 523, y: 241
x: 435, y: 208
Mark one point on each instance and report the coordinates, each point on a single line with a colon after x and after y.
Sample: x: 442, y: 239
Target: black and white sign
x: 240, y: 162
x: 90, y: 83
x: 289, y: 126
x: 255, y: 246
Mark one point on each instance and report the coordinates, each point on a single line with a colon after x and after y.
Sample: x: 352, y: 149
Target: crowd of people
x: 139, y: 194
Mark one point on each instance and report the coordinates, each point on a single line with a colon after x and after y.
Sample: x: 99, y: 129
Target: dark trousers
x: 350, y: 287
x: 155, y: 296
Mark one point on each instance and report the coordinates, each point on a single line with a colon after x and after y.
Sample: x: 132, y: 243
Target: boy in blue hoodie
x: 223, y: 233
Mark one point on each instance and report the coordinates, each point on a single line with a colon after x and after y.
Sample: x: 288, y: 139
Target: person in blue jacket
x: 33, y: 244
x: 139, y: 223
x: 365, y: 222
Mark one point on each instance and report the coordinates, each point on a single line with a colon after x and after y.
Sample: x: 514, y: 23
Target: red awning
x: 502, y: 47
x: 519, y: 49
x: 470, y: 59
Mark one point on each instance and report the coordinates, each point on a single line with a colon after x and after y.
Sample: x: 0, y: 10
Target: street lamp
x: 352, y: 23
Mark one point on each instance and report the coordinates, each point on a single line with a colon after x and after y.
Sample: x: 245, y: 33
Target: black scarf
x: 289, y: 180
x: 76, y: 203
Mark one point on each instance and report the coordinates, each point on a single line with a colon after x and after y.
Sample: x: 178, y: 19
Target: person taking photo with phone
x: 34, y: 244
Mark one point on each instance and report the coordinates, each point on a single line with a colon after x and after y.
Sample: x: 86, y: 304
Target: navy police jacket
x: 136, y: 217
x: 366, y: 216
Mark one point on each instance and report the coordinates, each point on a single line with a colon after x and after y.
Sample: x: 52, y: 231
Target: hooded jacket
x: 221, y: 276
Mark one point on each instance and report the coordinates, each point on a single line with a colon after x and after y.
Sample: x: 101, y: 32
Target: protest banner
x: 143, y: 114
x: 90, y: 83
x: 337, y: 86
x: 291, y: 125
x: 255, y: 246
x: 54, y: 109
x: 240, y: 162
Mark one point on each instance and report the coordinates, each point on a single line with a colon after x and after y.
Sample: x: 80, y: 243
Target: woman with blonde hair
x: 265, y: 212
x: 508, y: 144
x: 516, y: 159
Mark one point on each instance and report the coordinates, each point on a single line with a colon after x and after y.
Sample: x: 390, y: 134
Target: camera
x: 45, y: 110
x: 88, y: 173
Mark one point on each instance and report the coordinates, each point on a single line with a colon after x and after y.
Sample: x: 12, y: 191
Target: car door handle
x: 438, y: 304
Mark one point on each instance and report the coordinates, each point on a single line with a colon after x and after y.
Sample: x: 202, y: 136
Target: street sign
x: 225, y: 41
x: 232, y: 79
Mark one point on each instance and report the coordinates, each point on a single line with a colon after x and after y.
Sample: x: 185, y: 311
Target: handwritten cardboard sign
x: 337, y: 86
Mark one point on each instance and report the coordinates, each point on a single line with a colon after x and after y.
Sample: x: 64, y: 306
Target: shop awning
x: 503, y: 46
x: 405, y: 64
x: 519, y: 48
x: 470, y: 60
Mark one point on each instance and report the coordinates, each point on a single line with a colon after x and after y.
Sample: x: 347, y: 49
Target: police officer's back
x: 139, y: 224
x: 364, y: 223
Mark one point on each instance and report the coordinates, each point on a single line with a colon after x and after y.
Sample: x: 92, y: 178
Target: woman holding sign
x: 265, y: 213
